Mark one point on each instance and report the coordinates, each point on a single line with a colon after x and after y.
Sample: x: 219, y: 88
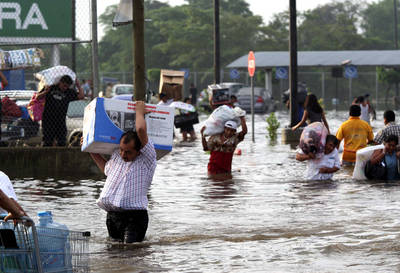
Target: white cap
x: 231, y: 124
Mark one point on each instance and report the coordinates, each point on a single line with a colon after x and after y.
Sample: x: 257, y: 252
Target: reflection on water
x: 266, y: 218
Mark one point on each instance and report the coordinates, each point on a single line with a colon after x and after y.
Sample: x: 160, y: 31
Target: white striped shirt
x: 7, y: 188
x: 127, y: 183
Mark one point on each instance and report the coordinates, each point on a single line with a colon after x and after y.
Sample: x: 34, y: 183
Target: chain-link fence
x: 322, y: 84
x: 35, y: 36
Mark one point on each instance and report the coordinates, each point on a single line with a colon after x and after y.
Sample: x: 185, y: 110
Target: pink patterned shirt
x: 127, y: 183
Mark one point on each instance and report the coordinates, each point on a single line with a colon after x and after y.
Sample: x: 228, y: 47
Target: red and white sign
x: 251, y: 64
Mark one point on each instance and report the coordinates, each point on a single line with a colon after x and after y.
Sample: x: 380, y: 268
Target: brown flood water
x: 265, y: 219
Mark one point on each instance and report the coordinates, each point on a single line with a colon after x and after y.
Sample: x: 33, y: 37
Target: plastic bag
x: 216, y: 121
x: 53, y: 75
x: 36, y: 107
x: 362, y: 157
x: 313, y: 138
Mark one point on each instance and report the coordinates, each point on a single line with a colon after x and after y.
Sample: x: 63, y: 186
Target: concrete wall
x: 52, y: 162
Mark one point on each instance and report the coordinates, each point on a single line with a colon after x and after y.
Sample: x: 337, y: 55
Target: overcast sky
x: 264, y: 8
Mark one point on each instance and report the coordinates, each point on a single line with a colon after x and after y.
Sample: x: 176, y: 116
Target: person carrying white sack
x: 222, y: 146
x: 322, y: 168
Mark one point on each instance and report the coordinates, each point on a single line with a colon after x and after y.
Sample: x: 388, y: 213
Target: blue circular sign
x: 281, y: 73
x: 234, y: 74
x: 350, y: 72
x: 186, y: 70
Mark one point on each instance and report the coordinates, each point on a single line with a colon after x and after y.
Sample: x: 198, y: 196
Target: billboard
x: 35, y: 21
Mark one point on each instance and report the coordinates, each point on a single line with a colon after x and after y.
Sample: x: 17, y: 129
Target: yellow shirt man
x: 356, y: 134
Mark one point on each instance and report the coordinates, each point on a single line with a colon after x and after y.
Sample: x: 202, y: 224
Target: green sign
x: 35, y: 20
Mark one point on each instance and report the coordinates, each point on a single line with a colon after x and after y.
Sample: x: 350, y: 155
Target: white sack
x: 362, y: 157
x: 216, y: 121
x: 53, y: 75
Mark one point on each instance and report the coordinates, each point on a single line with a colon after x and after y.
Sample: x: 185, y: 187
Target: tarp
x: 124, y: 13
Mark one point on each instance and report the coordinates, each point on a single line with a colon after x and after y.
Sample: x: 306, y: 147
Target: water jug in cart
x: 54, y: 245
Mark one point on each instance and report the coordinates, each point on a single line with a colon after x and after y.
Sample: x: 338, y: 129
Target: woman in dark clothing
x: 313, y: 113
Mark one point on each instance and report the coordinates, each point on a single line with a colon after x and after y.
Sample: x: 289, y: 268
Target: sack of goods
x: 53, y: 75
x: 186, y: 120
x: 313, y: 137
x: 216, y: 121
x: 362, y: 157
x: 23, y: 58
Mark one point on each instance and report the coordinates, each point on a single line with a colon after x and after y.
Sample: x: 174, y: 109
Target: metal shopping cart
x: 27, y: 248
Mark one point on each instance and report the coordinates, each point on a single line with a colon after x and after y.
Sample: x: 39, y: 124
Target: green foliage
x: 273, y: 125
x: 153, y: 74
x: 388, y: 75
x: 182, y: 36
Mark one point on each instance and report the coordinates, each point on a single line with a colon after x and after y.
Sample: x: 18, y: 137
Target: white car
x: 122, y: 89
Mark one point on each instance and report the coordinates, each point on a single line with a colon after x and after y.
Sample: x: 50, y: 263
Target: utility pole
x: 293, y: 64
x: 138, y: 50
x: 396, y: 44
x: 73, y: 46
x: 95, y: 51
x: 216, y: 43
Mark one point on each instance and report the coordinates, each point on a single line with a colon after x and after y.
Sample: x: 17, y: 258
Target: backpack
x: 375, y: 171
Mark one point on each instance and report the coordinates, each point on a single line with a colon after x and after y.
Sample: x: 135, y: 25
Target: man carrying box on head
x: 129, y: 174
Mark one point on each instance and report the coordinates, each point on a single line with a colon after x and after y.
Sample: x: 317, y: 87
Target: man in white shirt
x: 8, y: 200
x: 322, y: 167
x: 129, y: 174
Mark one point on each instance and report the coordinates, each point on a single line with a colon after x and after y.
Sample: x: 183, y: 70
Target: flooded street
x: 265, y: 219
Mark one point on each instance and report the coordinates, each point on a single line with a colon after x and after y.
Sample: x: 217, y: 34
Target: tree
x: 330, y: 27
x: 377, y: 24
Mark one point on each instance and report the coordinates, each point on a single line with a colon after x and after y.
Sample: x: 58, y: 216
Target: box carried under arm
x: 171, y: 83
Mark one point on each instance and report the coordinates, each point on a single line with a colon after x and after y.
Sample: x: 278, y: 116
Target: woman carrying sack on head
x: 384, y: 162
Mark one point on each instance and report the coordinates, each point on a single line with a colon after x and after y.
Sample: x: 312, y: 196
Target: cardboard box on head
x: 105, y: 120
x: 171, y: 83
x: 220, y: 94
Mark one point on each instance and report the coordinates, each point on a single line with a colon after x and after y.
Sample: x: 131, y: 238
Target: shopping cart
x: 27, y: 248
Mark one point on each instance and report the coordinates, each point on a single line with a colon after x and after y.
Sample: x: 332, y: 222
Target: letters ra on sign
x: 35, y: 21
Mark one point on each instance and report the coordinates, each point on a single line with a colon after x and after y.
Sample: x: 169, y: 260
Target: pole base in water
x: 291, y: 137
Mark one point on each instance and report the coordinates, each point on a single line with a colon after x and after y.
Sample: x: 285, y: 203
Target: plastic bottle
x: 54, y: 245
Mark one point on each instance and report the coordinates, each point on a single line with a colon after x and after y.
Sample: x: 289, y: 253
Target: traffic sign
x: 350, y: 72
x: 281, y: 73
x: 186, y: 70
x: 251, y: 64
x: 234, y: 74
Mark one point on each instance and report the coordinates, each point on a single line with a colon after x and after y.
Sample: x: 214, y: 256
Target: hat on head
x: 366, y: 95
x: 231, y: 124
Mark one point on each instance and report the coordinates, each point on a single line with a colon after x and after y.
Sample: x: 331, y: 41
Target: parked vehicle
x: 262, y: 99
x: 17, y: 131
x: 203, y: 99
x: 122, y: 89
